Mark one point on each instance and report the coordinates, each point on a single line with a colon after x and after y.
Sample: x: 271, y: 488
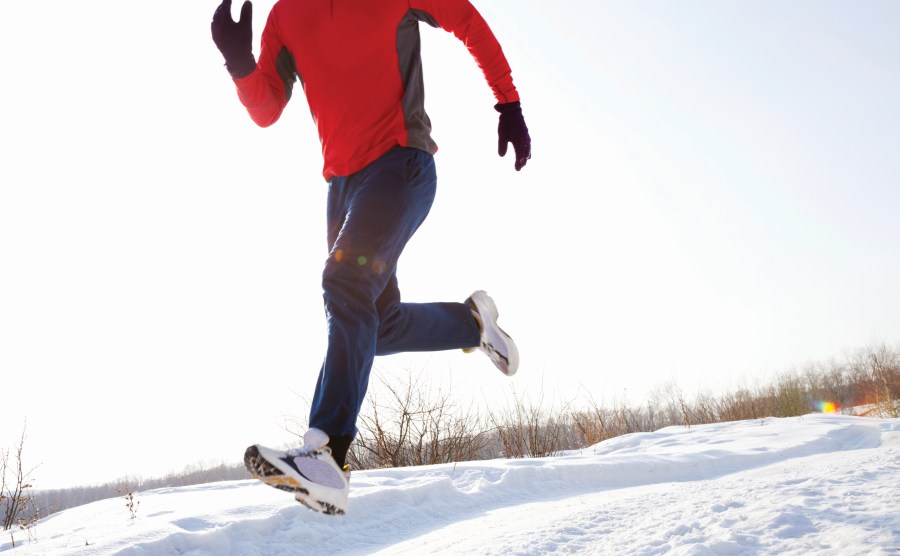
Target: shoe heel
x: 488, y: 303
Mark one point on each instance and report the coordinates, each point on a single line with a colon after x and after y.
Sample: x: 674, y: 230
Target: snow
x: 817, y: 484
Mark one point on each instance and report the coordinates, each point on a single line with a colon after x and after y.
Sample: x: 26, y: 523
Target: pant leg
x: 407, y: 327
x: 372, y: 215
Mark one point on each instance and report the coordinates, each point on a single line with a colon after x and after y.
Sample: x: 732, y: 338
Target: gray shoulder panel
x: 424, y: 16
x: 418, y: 125
x: 287, y: 70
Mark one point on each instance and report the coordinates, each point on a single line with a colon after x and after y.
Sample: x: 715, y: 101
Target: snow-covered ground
x: 818, y: 484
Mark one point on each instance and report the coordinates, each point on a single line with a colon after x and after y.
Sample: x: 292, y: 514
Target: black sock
x: 340, y: 445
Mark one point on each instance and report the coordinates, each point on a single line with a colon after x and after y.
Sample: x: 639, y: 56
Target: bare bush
x: 17, y: 503
x: 529, y: 429
x: 738, y: 405
x: 667, y: 407
x: 593, y: 425
x: 789, y: 396
x: 830, y: 382
x: 880, y: 368
x: 410, y: 427
x: 131, y: 504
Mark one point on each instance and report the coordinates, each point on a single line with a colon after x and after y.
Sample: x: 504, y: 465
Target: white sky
x: 713, y: 197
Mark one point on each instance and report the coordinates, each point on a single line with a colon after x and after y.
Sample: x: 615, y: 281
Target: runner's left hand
x: 512, y: 129
x: 234, y: 39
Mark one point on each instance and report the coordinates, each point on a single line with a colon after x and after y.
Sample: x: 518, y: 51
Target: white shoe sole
x: 273, y: 467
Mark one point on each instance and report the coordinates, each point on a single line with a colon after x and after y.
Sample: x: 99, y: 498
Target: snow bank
x: 819, y: 483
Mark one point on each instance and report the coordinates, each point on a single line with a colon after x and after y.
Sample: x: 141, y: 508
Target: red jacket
x: 358, y: 62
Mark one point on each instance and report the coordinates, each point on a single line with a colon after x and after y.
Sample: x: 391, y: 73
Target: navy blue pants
x: 372, y: 214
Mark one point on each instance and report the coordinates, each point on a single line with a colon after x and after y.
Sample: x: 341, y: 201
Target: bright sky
x: 713, y: 197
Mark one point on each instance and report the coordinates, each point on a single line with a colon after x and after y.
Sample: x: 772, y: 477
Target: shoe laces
x: 304, y: 451
x: 315, y: 442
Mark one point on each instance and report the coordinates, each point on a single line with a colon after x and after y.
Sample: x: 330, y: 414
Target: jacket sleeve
x: 266, y: 91
x: 462, y: 19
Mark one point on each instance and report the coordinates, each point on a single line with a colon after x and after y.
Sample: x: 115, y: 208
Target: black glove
x: 512, y: 129
x: 235, y: 39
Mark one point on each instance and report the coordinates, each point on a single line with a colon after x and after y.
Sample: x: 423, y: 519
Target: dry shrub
x: 409, y: 426
x: 529, y: 429
x: 878, y: 369
x: 17, y: 504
